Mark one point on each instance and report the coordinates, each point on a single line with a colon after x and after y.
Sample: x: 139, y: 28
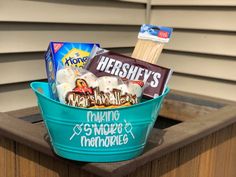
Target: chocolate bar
x: 107, y: 63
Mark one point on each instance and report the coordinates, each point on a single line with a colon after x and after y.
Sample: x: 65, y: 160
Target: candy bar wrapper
x: 81, y: 88
x: 64, y: 54
x: 107, y: 63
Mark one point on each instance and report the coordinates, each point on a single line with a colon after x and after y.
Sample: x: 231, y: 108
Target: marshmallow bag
x: 97, y: 135
x: 81, y: 88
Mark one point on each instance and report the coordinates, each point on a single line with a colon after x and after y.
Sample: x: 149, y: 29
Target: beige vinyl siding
x: 194, y: 2
x: 204, y: 86
x: 202, y: 51
x: 209, y: 18
x: 26, y: 28
x: 212, y: 66
x: 16, y: 96
x: 137, y: 1
x: 203, y: 41
x: 23, y: 68
x: 73, y: 12
x: 33, y: 37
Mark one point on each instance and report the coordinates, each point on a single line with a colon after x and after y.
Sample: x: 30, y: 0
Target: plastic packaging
x: 81, y: 88
x: 103, y: 62
x: 151, y: 41
x: 66, y: 54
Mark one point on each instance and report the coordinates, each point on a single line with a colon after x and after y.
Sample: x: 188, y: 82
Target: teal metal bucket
x: 97, y: 135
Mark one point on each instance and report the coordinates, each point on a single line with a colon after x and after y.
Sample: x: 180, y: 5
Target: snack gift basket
x: 97, y: 135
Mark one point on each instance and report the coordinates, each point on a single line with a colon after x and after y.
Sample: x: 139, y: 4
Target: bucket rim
x: 95, y: 109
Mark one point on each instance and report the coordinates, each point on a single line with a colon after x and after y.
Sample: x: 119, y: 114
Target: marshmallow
x: 135, y: 89
x: 63, y: 89
x: 123, y: 88
x: 66, y: 75
x: 90, y: 78
x: 107, y: 83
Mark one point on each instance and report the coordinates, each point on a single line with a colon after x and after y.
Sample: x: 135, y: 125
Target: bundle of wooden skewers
x: 151, y: 41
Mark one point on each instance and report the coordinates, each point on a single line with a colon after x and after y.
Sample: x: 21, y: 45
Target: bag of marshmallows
x: 81, y: 88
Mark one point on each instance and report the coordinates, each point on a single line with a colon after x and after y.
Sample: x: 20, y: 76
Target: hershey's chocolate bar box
x: 106, y: 63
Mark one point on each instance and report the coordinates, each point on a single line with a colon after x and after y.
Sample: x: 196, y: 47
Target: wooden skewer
x: 147, y: 50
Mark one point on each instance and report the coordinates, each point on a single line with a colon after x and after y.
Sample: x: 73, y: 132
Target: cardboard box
x: 61, y: 54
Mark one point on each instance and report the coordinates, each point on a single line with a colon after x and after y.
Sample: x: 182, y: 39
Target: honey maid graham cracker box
x: 64, y: 54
